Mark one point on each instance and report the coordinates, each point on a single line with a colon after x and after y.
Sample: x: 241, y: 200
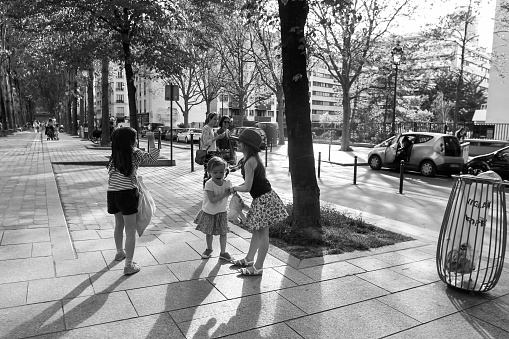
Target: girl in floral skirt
x: 212, y: 219
x: 266, y: 210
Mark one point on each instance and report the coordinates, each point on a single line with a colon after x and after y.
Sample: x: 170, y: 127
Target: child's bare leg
x: 222, y: 242
x: 130, y: 237
x: 209, y: 238
x: 263, y: 248
x: 253, y: 245
x: 118, y: 234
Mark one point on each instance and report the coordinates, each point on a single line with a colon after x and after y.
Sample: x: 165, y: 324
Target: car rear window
x: 423, y: 138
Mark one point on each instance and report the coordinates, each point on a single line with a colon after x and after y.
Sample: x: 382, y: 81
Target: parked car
x: 237, y: 131
x: 185, y: 135
x: 497, y: 161
x: 163, y: 130
x: 485, y: 146
x: 150, y: 127
x: 176, y: 131
x: 428, y: 153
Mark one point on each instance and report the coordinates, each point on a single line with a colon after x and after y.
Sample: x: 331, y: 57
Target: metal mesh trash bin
x: 473, y: 236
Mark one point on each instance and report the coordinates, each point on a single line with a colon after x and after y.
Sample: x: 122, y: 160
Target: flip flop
x: 246, y: 271
x: 242, y: 262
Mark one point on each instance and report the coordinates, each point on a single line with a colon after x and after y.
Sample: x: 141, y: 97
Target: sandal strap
x: 242, y: 262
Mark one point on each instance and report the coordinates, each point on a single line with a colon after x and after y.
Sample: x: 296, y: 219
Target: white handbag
x: 146, y: 207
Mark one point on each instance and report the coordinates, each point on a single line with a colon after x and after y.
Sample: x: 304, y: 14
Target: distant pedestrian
x: 212, y: 218
x: 122, y: 194
x: 208, y: 141
x: 460, y: 134
x: 266, y: 210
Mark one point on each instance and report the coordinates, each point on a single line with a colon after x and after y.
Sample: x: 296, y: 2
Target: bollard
x: 401, y: 174
x: 148, y: 144
x: 192, y: 153
x: 319, y: 163
x: 355, y: 170
x: 159, y: 140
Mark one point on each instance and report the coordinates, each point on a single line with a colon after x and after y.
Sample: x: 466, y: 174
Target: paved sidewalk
x: 59, y: 279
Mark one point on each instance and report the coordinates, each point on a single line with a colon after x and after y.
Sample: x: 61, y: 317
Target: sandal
x: 241, y: 262
x: 246, y: 271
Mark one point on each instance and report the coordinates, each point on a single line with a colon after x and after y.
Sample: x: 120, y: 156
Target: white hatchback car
x: 185, y: 135
x: 426, y: 152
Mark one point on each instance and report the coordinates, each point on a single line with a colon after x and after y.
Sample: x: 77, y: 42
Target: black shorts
x: 123, y: 201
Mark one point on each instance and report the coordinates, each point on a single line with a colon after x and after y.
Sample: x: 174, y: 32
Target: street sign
x: 171, y: 93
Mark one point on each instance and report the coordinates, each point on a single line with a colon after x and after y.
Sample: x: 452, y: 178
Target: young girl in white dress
x: 212, y: 218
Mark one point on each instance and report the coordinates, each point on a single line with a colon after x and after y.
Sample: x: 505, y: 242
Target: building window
x: 120, y: 86
x: 322, y: 84
x: 120, y: 110
x: 251, y: 112
x: 271, y: 113
x: 120, y: 98
x: 120, y: 74
x: 224, y: 97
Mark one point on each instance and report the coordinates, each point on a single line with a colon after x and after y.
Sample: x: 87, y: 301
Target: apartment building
x: 431, y: 57
x: 323, y: 99
x: 151, y: 105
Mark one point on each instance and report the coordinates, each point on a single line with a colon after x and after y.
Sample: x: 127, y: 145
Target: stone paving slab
x: 98, y: 309
x: 389, y: 280
x: 153, y: 326
x: 180, y: 295
x: 13, y: 294
x: 30, y: 320
x: 326, y: 295
x: 26, y: 269
x: 273, y: 331
x: 370, y: 319
x: 431, y: 302
x: 59, y: 288
x: 457, y: 326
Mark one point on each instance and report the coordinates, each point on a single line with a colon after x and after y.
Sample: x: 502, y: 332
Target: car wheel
x: 375, y: 162
x: 428, y: 168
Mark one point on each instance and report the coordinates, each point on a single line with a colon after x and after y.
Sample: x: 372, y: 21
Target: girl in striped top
x: 122, y: 194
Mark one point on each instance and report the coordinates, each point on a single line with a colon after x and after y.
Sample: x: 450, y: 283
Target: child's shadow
x: 248, y: 310
x: 81, y: 312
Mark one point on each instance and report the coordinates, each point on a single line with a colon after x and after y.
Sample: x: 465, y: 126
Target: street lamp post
x: 397, y: 53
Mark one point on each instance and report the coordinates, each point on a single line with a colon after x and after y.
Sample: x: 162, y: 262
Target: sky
x: 429, y: 11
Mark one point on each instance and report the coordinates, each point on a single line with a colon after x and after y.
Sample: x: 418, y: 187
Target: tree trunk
x: 68, y: 115
x: 90, y: 93
x: 345, y: 137
x: 74, y: 103
x: 280, y: 119
x: 306, y: 194
x: 131, y: 89
x: 105, y: 120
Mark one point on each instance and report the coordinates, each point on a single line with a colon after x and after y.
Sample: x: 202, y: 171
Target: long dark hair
x: 122, y: 141
x: 223, y: 118
x: 250, y: 152
x: 210, y: 116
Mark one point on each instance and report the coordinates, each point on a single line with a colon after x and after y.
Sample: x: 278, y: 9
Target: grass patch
x: 340, y: 233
